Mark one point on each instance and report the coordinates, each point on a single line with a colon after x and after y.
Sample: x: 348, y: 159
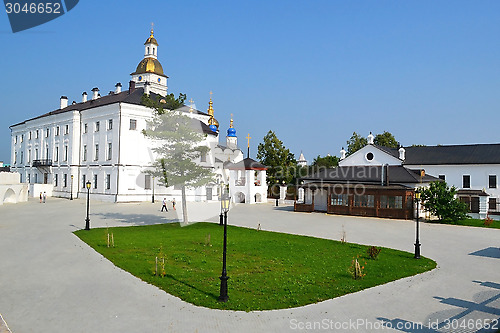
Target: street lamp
x: 417, y: 242
x: 221, y: 216
x: 153, y: 194
x: 223, y: 297
x: 87, y: 220
x: 71, y: 195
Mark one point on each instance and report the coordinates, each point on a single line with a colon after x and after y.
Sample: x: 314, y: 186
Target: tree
x: 177, y: 142
x: 386, y: 139
x: 355, y: 143
x: 326, y: 162
x: 279, y: 160
x: 439, y: 200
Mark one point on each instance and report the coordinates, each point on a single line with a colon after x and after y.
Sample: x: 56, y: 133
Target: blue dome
x: 231, y: 132
x: 213, y: 128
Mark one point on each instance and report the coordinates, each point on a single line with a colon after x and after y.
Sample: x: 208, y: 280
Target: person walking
x: 44, y: 197
x: 40, y: 197
x: 164, y: 206
x: 173, y: 203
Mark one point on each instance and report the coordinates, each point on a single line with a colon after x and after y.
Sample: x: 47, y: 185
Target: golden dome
x: 151, y: 39
x: 149, y: 65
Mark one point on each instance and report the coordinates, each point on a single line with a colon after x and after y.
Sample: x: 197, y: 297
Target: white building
x: 100, y: 140
x: 472, y: 169
x: 11, y: 189
x: 302, y: 162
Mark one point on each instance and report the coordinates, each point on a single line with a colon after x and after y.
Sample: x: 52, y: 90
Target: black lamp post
x: 153, y: 194
x: 417, y: 242
x: 223, y: 297
x: 71, y: 195
x: 87, y: 220
x: 221, y: 216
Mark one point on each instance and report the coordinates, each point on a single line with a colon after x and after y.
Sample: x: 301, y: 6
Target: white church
x: 100, y: 140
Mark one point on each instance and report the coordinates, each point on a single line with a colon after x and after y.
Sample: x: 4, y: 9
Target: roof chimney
x: 342, y: 153
x: 84, y: 97
x: 370, y: 138
x: 95, y: 93
x: 118, y: 88
x: 402, y: 154
x: 63, y: 102
x: 131, y: 87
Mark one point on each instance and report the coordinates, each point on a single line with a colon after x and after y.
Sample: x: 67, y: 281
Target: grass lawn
x: 267, y: 270
x: 472, y: 223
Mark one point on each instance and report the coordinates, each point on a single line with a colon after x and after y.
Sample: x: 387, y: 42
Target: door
x: 474, y: 204
x: 45, y: 178
x: 209, y: 193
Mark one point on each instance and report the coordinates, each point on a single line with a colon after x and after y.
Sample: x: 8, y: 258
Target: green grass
x: 267, y: 270
x: 471, y: 223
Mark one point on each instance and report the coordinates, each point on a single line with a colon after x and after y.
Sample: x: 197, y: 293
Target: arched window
x: 148, y: 49
x: 153, y: 50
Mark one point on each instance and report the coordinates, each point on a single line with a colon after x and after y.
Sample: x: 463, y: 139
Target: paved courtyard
x: 52, y: 282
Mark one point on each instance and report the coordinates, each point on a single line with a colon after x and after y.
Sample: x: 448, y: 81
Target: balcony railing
x: 42, y: 163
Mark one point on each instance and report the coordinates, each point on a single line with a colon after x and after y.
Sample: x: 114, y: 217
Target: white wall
x: 360, y: 157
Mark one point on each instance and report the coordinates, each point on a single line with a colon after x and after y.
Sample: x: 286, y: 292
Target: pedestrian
x: 164, y: 205
x: 44, y: 197
x: 40, y: 197
x: 173, y: 203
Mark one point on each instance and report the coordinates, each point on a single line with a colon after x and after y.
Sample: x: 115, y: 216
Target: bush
x: 488, y: 221
x: 439, y: 200
x: 373, y: 252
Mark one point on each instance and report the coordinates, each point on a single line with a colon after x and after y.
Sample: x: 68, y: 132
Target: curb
x: 3, y: 326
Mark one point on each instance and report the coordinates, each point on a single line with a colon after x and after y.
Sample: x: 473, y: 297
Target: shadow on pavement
x: 490, y: 252
x: 482, y: 315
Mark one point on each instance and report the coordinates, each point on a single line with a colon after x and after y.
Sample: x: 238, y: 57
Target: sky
x: 313, y: 72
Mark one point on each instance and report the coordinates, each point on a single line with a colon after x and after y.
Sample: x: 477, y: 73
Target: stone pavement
x: 52, y: 282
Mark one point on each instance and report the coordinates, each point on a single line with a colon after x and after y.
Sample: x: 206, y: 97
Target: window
x: 47, y: 132
x: 493, y: 204
x: 21, y: 161
x: 492, y: 180
x: 133, y: 124
x: 369, y: 156
x: 96, y: 155
x: 364, y: 201
x: 85, y: 128
x: 47, y: 152
x: 29, y: 135
x: 97, y: 126
x: 66, y: 129
x: 37, y: 134
x: 203, y: 157
x: 84, y: 181
x: 391, y: 202
x: 15, y: 139
x: 110, y: 151
x: 36, y: 154
x: 57, y: 130
x: 29, y: 156
x: 339, y: 200
x: 466, y: 181
x: 95, y: 182
x: 56, y: 155
x: 65, y: 180
x: 65, y: 153
x: 84, y: 152
x: 56, y: 179
x: 22, y: 137
x: 15, y: 157
x: 108, y: 181
x: 147, y: 182
x: 28, y: 179
x: 110, y: 124
x: 442, y: 177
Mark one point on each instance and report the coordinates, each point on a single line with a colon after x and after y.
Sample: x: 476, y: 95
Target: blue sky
x: 312, y: 71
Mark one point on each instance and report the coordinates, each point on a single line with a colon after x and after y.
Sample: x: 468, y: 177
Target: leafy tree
x: 178, y: 145
x: 279, y: 160
x: 386, y: 139
x: 439, y: 200
x: 327, y: 161
x: 355, y: 143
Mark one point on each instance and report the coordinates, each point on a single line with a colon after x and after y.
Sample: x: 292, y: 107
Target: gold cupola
x: 212, y: 122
